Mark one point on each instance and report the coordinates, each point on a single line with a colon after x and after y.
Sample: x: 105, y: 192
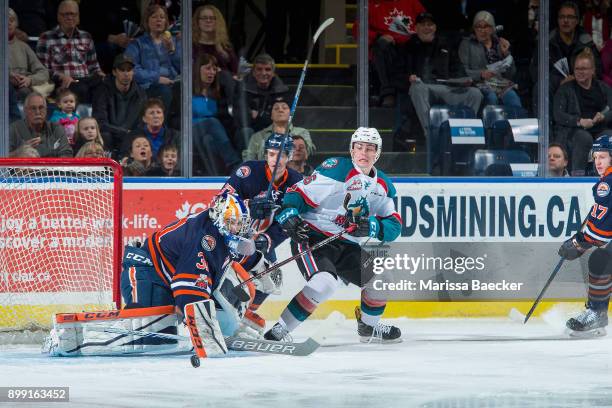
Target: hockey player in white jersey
x: 339, y: 193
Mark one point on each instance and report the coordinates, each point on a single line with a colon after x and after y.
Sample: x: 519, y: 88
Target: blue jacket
x: 148, y: 61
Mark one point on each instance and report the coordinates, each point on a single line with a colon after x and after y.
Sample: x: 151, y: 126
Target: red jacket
x: 393, y: 17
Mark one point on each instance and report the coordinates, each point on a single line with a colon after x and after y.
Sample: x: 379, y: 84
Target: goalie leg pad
x: 204, y: 329
x: 99, y: 333
x: 140, y: 284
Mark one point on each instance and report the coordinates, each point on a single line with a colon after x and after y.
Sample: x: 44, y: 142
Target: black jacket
x: 581, y: 41
x: 105, y: 110
x: 249, y: 97
x: 566, y: 109
x: 444, y: 61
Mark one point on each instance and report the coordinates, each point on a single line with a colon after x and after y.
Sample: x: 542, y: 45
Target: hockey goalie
x: 184, y: 273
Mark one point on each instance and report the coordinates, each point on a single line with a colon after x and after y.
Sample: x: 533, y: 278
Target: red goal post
x: 60, y: 238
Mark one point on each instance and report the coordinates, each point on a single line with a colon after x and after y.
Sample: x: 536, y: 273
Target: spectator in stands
x: 48, y: 138
x: 119, y: 104
x: 566, y: 42
x: 104, y: 20
x: 482, y: 49
x: 37, y: 16
x: 581, y: 111
x: 25, y: 69
x: 140, y: 158
x: 595, y: 21
x: 210, y: 37
x: 24, y: 151
x: 156, y: 55
x: 557, y: 160
x: 154, y: 128
x: 300, y: 16
x: 300, y: 157
x: 91, y: 149
x: 209, y: 104
x: 254, y: 97
x: 87, y: 131
x: 280, y: 120
x: 390, y: 24
x: 429, y: 60
x: 66, y: 115
x: 69, y: 54
x: 167, y: 165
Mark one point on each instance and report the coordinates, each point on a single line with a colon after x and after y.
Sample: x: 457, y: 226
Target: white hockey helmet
x: 367, y: 135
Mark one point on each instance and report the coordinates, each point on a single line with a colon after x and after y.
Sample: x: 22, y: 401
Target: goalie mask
x: 231, y: 217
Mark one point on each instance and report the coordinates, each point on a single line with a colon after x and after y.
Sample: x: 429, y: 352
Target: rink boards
x: 518, y: 223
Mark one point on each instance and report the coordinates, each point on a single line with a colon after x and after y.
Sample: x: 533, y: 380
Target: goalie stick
x: 298, y: 349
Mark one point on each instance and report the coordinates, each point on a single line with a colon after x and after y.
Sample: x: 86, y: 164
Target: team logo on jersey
x: 208, y: 243
x: 202, y: 282
x: 603, y: 189
x: 329, y: 163
x: 355, y: 185
x: 243, y: 171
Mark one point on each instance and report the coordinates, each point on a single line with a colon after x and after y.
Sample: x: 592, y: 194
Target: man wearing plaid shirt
x: 69, y: 54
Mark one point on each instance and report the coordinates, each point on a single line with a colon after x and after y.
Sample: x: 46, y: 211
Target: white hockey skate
x: 590, y: 323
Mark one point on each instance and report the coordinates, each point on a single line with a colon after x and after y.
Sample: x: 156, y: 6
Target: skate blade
x: 379, y: 341
x: 588, y: 334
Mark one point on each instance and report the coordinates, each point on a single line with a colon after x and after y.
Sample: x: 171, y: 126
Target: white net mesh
x: 56, y: 241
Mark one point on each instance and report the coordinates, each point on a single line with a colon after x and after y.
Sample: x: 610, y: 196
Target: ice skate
x: 278, y: 332
x: 590, y: 323
x: 380, y: 333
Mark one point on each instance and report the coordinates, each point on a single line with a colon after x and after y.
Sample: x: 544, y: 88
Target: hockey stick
x: 296, y: 97
x: 298, y: 349
x: 240, y: 293
x: 550, y: 279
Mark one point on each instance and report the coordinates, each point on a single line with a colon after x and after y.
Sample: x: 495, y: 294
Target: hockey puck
x: 195, y: 361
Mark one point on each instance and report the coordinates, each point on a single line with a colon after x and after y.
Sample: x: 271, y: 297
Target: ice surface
x: 441, y: 363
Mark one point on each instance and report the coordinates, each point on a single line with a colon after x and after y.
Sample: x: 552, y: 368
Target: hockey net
x: 60, y: 241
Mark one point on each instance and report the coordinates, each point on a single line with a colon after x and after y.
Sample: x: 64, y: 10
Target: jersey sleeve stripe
x: 598, y: 231
x: 187, y: 276
x: 395, y: 215
x: 187, y: 292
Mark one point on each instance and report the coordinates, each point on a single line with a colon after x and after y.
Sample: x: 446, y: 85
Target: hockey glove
x: 574, y: 247
x: 293, y: 225
x: 366, y: 227
x: 261, y: 208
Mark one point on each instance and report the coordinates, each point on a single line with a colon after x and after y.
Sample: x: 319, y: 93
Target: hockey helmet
x: 367, y: 135
x: 275, y: 141
x: 230, y: 215
x: 602, y: 144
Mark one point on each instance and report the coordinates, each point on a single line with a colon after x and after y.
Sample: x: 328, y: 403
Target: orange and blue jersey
x: 189, y: 256
x: 598, y: 228
x: 250, y: 181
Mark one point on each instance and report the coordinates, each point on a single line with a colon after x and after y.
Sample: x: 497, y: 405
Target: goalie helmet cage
x: 60, y: 239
